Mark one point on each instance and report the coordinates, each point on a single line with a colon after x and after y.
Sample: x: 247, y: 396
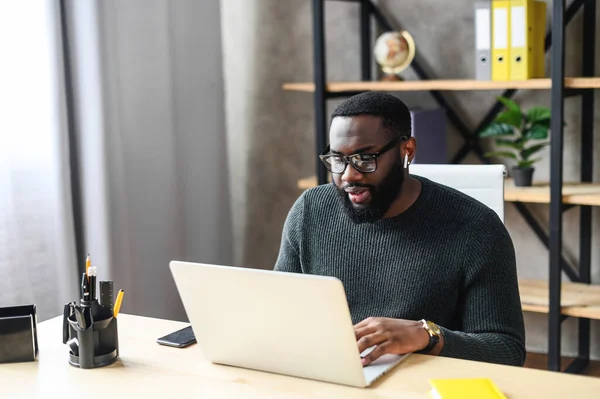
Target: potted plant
x: 514, y: 131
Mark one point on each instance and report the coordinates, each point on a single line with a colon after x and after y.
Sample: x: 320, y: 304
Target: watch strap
x: 433, y: 340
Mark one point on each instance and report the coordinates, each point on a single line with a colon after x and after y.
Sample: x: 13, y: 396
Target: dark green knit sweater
x: 448, y: 259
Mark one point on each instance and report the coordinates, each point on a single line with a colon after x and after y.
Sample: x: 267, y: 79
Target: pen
x: 84, y: 288
x: 118, y: 303
x: 95, y: 274
x: 92, y: 272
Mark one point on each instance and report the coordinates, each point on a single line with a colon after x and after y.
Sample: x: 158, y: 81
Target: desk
x: 149, y: 370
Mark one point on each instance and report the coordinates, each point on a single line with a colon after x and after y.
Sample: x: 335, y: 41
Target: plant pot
x: 522, y: 176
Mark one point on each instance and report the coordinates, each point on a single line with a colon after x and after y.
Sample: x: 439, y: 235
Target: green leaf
x: 506, y: 154
x: 528, y: 163
x: 521, y: 141
x: 545, y: 123
x: 510, y: 104
x: 507, y: 143
x: 509, y: 117
x: 537, y: 132
x: 497, y: 129
x: 526, y: 153
x: 538, y: 114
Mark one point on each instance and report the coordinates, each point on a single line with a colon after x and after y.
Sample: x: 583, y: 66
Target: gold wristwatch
x: 434, y: 335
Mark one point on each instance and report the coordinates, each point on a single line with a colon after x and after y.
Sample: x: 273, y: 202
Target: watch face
x: 434, y: 328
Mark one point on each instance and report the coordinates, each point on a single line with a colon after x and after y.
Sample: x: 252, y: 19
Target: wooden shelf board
x: 448, y: 84
x: 577, y: 299
x: 573, y: 193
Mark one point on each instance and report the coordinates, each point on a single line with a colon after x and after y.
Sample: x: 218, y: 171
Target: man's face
x: 366, y: 197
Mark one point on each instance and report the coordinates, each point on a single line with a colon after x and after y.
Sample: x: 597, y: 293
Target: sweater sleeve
x: 491, y: 326
x: 288, y: 259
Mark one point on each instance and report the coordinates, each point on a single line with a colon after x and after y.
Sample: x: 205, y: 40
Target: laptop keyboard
x: 367, y: 351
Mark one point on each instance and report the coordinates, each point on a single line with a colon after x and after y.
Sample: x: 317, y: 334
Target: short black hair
x: 393, y: 112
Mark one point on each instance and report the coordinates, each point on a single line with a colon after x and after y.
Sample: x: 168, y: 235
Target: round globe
x: 394, y: 51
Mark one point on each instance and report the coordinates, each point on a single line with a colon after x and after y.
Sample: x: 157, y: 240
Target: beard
x: 382, y: 197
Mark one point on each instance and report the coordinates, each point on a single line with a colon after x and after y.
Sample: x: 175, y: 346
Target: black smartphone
x: 179, y: 339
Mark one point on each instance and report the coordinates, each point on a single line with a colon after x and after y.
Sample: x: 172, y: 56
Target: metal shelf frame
x: 555, y: 40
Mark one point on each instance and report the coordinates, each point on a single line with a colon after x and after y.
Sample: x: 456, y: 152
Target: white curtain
x: 37, y: 250
x: 148, y: 115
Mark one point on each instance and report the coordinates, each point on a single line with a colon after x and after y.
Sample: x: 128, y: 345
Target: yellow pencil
x: 118, y: 303
x: 88, y: 263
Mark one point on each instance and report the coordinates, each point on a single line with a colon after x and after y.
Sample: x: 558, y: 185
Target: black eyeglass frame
x: 348, y: 158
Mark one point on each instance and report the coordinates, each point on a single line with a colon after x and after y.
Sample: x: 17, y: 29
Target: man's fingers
x: 370, y: 340
x: 376, y: 353
x: 362, y: 323
x: 362, y: 331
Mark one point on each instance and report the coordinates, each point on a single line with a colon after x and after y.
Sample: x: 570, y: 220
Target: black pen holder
x: 97, y: 345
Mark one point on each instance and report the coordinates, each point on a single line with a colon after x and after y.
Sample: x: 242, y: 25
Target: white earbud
x: 405, y: 161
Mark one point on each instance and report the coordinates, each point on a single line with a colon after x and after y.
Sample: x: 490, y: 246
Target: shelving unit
x: 445, y: 85
x: 576, y: 298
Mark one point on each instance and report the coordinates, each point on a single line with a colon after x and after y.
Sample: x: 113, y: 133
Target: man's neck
x: 409, y: 192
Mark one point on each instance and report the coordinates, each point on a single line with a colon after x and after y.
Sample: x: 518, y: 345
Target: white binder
x: 483, y: 40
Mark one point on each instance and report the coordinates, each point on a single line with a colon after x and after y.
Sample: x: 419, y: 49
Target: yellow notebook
x: 465, y: 388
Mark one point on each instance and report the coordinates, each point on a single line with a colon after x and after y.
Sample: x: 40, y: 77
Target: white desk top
x: 151, y: 370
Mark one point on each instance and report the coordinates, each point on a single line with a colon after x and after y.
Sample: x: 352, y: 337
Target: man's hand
x: 391, y: 336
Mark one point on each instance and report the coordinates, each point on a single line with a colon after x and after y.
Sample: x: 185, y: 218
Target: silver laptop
x: 285, y: 323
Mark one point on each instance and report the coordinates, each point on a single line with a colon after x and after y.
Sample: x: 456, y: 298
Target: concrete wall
x: 271, y: 132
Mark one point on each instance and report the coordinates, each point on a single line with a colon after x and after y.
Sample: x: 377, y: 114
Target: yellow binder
x: 500, y: 39
x: 464, y: 388
x: 527, y: 33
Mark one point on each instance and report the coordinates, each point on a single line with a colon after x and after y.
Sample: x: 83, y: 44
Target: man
x: 426, y: 268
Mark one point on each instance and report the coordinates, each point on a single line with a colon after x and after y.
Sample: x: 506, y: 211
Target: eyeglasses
x: 364, y: 163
